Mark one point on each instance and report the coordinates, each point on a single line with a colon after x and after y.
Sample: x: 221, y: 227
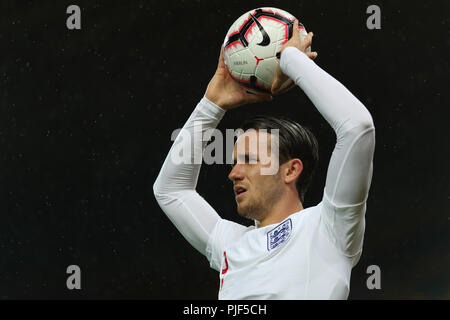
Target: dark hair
x: 295, y: 141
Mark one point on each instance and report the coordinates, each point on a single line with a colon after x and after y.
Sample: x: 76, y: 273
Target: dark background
x: 86, y: 118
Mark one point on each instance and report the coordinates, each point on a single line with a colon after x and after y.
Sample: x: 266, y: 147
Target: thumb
x: 275, y: 86
x: 221, y: 63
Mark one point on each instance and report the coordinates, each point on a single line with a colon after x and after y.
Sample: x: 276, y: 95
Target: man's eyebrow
x: 246, y: 157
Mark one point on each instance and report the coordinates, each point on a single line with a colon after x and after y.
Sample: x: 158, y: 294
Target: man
x: 292, y: 252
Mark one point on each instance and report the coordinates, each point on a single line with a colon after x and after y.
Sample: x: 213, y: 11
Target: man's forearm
x: 342, y: 110
x: 183, y: 176
x: 174, y: 188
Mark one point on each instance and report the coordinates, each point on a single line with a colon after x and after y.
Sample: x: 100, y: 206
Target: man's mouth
x: 239, y: 191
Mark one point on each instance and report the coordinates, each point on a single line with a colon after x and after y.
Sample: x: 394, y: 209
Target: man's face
x: 255, y: 193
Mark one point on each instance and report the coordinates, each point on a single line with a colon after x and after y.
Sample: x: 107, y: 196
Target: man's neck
x: 281, y: 210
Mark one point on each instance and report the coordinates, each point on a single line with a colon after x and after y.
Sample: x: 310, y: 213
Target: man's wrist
x: 213, y: 105
x: 287, y: 56
x: 216, y: 101
x: 289, y: 51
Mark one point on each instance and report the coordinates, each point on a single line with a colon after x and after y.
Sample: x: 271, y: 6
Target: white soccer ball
x: 252, y: 47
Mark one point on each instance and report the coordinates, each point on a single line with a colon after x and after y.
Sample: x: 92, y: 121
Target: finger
x: 307, y: 41
x: 278, y: 90
x: 275, y: 87
x: 295, y: 31
x: 309, y: 38
x: 283, y: 90
x: 221, y: 63
x: 277, y: 83
x: 312, y: 55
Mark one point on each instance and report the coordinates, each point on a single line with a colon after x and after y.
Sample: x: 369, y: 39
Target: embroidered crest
x: 279, y: 234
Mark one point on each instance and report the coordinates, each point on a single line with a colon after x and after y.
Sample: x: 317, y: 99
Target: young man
x: 292, y: 252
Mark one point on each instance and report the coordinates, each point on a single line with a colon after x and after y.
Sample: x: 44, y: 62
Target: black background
x: 86, y: 118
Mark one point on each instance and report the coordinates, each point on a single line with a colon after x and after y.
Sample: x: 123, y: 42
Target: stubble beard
x: 257, y: 209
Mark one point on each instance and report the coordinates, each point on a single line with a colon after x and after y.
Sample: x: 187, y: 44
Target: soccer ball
x: 252, y: 47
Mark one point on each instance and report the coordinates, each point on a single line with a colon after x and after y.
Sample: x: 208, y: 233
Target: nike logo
x: 266, y: 39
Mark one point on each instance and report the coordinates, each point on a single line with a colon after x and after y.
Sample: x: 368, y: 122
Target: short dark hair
x: 295, y: 141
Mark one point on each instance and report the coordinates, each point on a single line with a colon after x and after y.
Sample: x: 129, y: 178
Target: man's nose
x: 237, y: 173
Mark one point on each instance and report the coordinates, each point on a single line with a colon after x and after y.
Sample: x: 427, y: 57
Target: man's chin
x: 245, y: 212
x: 242, y: 210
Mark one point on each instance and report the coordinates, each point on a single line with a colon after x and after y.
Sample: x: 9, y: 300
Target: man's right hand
x: 226, y: 92
x: 304, y: 45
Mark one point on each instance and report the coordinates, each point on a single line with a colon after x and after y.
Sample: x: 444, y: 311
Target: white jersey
x: 295, y: 259
x: 310, y: 254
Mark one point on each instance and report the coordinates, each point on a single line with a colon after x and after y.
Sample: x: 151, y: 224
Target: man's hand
x: 301, y: 44
x: 226, y: 92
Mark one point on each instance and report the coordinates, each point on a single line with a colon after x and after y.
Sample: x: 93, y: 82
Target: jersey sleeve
x: 174, y: 188
x: 350, y: 169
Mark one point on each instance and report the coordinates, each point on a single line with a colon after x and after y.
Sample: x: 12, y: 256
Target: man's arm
x: 350, y: 169
x: 174, y: 188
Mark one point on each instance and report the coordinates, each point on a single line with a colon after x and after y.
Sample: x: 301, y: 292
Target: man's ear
x: 294, y: 168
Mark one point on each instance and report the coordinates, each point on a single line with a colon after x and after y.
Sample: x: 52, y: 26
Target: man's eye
x: 251, y: 159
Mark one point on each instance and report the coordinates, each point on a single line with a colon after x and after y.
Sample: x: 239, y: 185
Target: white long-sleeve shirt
x: 310, y: 254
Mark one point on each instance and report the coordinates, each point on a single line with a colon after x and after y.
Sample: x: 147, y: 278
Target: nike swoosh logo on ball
x: 266, y: 39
